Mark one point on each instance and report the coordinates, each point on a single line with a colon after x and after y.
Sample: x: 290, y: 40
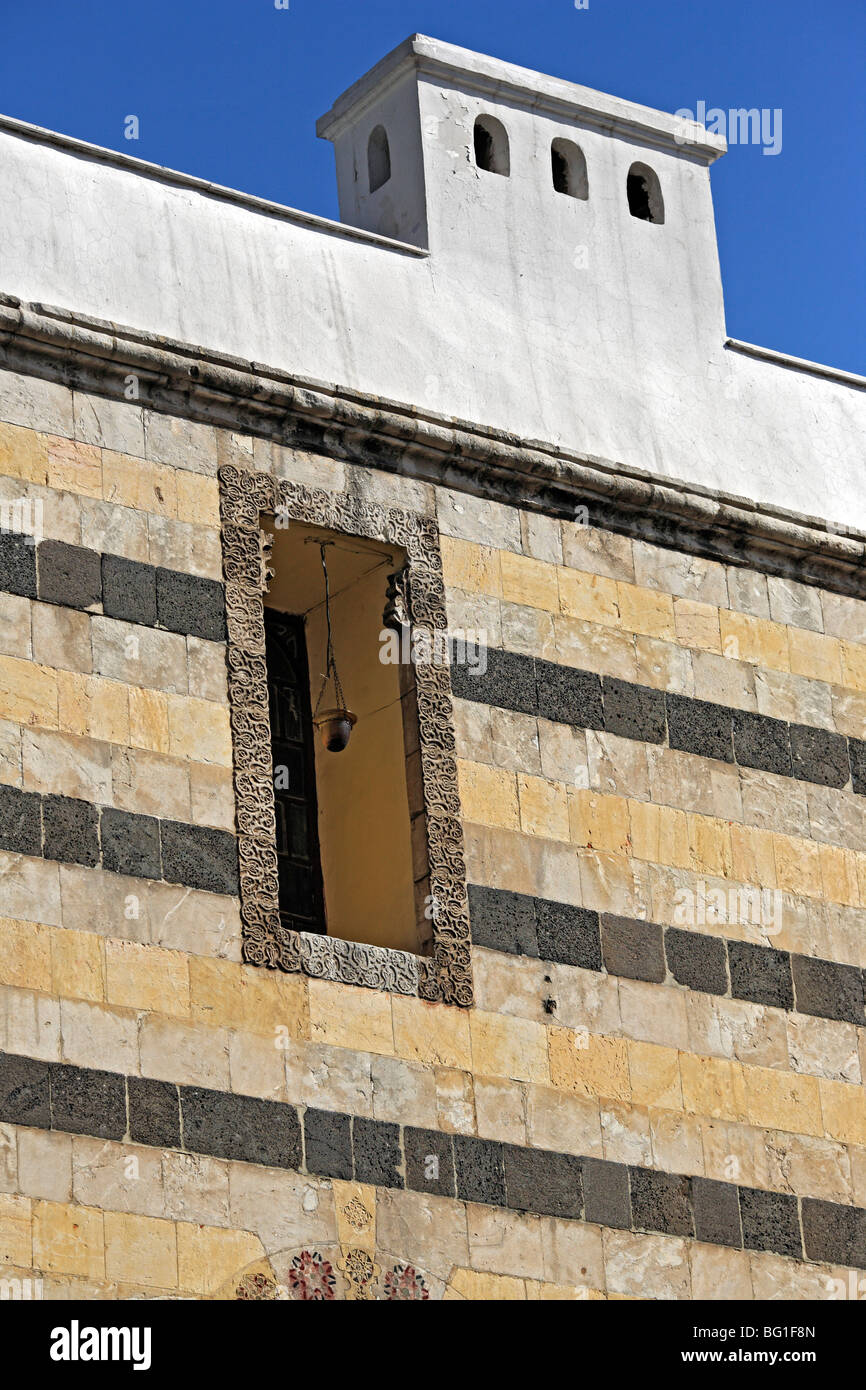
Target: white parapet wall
x: 495, y: 298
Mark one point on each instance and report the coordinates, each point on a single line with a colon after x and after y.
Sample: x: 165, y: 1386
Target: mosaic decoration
x: 257, y: 1287
x: 360, y: 1272
x: 445, y: 975
x: 404, y: 1284
x: 357, y: 1214
x: 311, y: 1278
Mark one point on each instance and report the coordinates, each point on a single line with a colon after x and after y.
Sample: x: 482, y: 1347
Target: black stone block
x: 429, y: 1161
x: 130, y: 844
x: 568, y: 935
x: 696, y: 726
x: 508, y: 682
x: 154, y: 1112
x: 819, y: 756
x: 88, y: 1102
x: 770, y: 1222
x: 25, y: 1095
x: 607, y: 1201
x: 17, y: 564
x: 696, y: 961
x: 189, y: 604
x: 198, y: 857
x: 129, y: 590
x: 762, y: 743
x: 857, y: 756
x: 20, y: 821
x: 717, y: 1212
x: 378, y: 1157
x: 633, y: 949
x: 502, y: 921
x: 69, y: 575
x: 828, y: 990
x: 549, y: 1184
x: 479, y: 1170
x: 760, y: 974
x: 328, y: 1144
x: 70, y: 830
x: 567, y: 696
x: 634, y: 711
x: 661, y: 1202
x: 240, y: 1127
x: 834, y: 1234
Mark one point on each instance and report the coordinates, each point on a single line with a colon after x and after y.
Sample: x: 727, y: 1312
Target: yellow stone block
x: 23, y: 454
x: 753, y: 855
x: 529, y: 582
x: 146, y: 977
x: 814, y: 655
x: 839, y: 875
x: 74, y: 467
x: 137, y: 483
x: 224, y: 994
x: 434, y: 1034
x: 28, y: 693
x: 674, y: 844
x: 713, y: 1087
x: 588, y: 1064
x: 140, y: 1250
x: 537, y: 1292
x: 210, y: 1256
x: 68, y: 1240
x: 15, y: 1231
x: 25, y: 955
x: 92, y: 706
x: 508, y: 1046
x: 755, y: 640
x: 798, y: 866
x: 148, y: 720
x: 599, y: 822
x: 710, y: 846
x: 199, y: 729
x: 198, y: 498
x: 853, y: 665
x: 488, y: 795
x: 485, y: 1288
x: 843, y: 1111
x: 646, y: 611
x: 346, y: 1016
x: 543, y: 807
x: 697, y: 625
x: 645, y: 830
x: 782, y: 1100
x: 473, y: 568
x: 655, y: 1075
x: 590, y: 597
x: 77, y: 965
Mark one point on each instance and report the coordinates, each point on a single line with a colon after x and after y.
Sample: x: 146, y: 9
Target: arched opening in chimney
x: 491, y: 146
x: 568, y: 166
x: 378, y: 158
x: 645, y: 194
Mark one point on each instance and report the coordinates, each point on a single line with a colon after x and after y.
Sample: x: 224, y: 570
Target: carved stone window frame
x: 446, y: 974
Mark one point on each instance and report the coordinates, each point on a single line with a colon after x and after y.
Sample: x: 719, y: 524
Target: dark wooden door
x: 302, y: 904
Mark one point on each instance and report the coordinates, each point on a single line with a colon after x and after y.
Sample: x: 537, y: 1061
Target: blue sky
x: 230, y: 90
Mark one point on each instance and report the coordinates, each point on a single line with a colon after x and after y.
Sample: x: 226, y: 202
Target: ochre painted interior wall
x: 364, y: 821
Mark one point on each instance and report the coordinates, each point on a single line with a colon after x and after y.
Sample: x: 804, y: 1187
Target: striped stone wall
x: 659, y: 1090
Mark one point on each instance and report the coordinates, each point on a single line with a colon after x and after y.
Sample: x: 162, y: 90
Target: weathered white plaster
x: 554, y: 318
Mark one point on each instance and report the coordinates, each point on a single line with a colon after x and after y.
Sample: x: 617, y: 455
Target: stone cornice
x: 247, y: 397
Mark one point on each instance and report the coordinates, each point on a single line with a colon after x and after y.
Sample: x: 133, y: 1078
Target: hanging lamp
x: 334, y: 725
